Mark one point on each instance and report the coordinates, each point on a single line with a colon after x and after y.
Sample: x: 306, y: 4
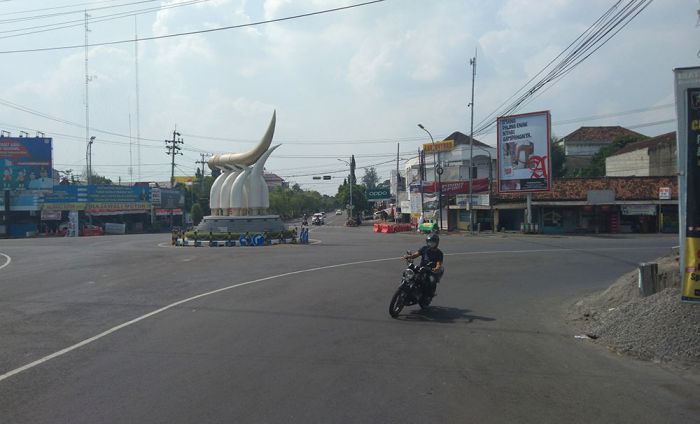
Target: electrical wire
x: 201, y: 31
x: 592, y: 39
x: 81, y: 22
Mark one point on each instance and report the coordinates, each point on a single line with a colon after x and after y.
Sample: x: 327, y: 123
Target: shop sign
x: 648, y: 210
x: 375, y: 194
x: 47, y: 215
x: 664, y: 193
x: 439, y: 146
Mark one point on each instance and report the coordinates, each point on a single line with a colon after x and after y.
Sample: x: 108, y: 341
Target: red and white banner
x: 458, y: 187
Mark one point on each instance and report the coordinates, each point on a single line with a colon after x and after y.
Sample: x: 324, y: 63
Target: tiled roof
x: 272, y: 177
x: 460, y: 138
x: 668, y: 138
x: 585, y: 134
x: 625, y: 188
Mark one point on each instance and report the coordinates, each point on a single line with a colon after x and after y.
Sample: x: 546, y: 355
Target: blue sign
x: 25, y: 163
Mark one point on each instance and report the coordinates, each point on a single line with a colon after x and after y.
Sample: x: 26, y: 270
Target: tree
x: 370, y: 179
x: 196, y: 213
x: 558, y: 158
x: 359, y: 197
x: 100, y: 180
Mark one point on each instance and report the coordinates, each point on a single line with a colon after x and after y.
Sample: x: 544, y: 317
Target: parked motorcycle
x: 412, y: 288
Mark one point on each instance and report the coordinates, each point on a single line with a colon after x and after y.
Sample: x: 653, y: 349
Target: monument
x: 239, y: 198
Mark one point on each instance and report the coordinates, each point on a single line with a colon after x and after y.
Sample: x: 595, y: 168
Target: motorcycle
x: 412, y: 288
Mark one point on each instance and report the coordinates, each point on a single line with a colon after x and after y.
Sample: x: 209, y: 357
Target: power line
x: 57, y: 7
x: 592, y: 39
x: 202, y: 31
x: 104, y: 18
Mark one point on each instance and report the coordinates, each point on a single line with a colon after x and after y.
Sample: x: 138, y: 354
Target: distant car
x: 338, y: 212
x: 317, y: 219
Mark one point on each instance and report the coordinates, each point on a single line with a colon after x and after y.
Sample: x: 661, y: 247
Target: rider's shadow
x: 443, y: 314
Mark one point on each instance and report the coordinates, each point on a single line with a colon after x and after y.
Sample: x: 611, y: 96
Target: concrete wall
x: 630, y: 164
x: 587, y: 148
x: 663, y: 160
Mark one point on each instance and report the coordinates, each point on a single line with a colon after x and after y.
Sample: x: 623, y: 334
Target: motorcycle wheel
x: 396, y: 304
x: 425, y: 303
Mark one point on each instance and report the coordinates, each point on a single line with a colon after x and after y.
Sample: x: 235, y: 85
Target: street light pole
x: 472, y: 62
x: 436, y: 171
x: 89, y: 160
x: 349, y: 182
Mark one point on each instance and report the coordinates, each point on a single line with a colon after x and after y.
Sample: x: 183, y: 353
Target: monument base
x: 241, y: 224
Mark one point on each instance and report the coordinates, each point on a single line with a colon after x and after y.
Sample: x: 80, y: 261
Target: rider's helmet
x: 433, y: 241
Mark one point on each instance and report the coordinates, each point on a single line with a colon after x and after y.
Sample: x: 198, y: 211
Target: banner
x: 523, y: 153
x: 25, y: 163
x: 439, y: 146
x: 375, y: 194
x: 687, y: 81
x: 457, y: 187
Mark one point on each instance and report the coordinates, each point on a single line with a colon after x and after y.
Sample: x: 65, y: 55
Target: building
x: 456, y: 167
x: 652, y: 157
x: 274, y: 180
x: 595, y: 205
x: 581, y: 145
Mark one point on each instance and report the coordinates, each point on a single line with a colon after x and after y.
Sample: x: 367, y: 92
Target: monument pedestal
x: 257, y: 224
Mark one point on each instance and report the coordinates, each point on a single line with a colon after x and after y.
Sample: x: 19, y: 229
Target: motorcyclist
x: 430, y: 254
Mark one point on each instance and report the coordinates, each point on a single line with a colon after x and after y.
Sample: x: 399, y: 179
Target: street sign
x: 664, y: 193
x: 375, y: 194
x: 326, y: 177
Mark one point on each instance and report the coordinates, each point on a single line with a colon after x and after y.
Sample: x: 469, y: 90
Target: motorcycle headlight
x: 408, y: 274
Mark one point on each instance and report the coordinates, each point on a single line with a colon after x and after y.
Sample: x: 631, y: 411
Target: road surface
x: 123, y: 329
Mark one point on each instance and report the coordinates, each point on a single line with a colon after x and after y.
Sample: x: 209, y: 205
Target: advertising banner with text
x: 687, y: 82
x: 25, y: 163
x: 523, y: 153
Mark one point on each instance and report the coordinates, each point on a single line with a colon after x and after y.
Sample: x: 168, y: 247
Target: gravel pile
x: 658, y: 327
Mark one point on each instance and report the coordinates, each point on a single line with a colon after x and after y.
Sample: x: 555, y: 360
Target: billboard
x: 97, y: 198
x: 25, y: 163
x: 687, y: 82
x: 523, y: 153
x: 375, y: 194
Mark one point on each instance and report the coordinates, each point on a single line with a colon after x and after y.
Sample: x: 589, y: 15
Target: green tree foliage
x: 100, y: 180
x: 359, y: 197
x: 370, y: 179
x: 597, y: 166
x: 294, y: 202
x: 558, y: 158
x: 197, y: 214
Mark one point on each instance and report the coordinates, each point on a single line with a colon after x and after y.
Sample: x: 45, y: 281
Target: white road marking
x: 246, y: 283
x: 7, y: 260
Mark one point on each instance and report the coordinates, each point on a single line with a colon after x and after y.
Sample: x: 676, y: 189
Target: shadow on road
x: 443, y: 315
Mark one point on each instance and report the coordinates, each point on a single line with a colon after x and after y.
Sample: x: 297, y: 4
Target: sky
x: 354, y: 81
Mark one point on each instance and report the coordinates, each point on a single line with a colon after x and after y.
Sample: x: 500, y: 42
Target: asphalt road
x: 303, y: 334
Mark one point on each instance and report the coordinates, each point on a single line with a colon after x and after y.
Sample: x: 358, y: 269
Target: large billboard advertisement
x: 523, y: 153
x: 25, y: 163
x: 688, y: 113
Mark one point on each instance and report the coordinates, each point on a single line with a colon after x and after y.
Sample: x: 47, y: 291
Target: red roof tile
x: 584, y: 134
x: 668, y: 138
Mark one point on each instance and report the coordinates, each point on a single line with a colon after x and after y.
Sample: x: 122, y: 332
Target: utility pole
x: 202, y: 162
x: 472, y: 62
x: 173, y: 148
x: 396, y: 208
